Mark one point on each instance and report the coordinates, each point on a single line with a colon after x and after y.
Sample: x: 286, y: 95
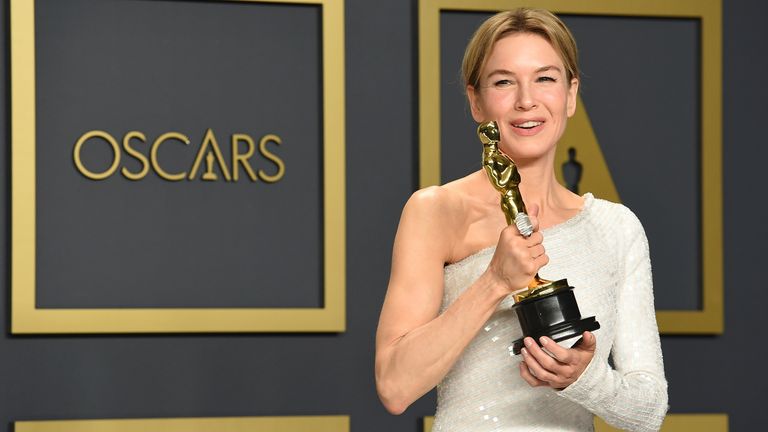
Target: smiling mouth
x: 528, y: 125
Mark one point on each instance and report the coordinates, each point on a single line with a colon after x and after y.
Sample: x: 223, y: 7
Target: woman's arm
x: 415, y: 345
x: 633, y: 394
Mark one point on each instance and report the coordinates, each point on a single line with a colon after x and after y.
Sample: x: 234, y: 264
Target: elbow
x: 395, y: 390
x: 391, y: 397
x: 394, y: 407
x: 663, y: 406
x: 657, y: 405
x: 662, y: 401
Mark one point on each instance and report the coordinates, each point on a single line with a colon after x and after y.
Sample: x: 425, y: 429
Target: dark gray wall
x: 70, y: 377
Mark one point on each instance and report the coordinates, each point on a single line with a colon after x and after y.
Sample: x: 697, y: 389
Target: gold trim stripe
x: 681, y: 423
x: 22, y: 157
x: 228, y: 424
x: 672, y: 423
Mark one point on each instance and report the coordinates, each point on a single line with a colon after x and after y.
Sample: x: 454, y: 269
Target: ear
x: 573, y: 94
x: 474, y: 104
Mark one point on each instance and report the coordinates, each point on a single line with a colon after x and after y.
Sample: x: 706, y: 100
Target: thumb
x: 533, y: 213
x: 588, y: 342
x: 533, y: 209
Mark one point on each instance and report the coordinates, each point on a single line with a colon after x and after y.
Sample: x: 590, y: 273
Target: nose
x: 525, y: 99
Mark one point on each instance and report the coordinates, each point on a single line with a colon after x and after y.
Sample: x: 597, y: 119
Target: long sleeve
x: 632, y: 395
x: 604, y: 254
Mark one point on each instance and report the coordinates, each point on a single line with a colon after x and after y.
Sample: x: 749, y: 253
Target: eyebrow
x: 539, y: 70
x: 548, y: 68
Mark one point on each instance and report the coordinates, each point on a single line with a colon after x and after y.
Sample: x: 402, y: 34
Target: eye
x: 502, y: 83
x: 546, y: 79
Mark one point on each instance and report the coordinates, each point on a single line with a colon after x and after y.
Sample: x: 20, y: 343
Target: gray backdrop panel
x: 163, y: 66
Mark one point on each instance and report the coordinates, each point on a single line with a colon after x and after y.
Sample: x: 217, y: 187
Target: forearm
x: 635, y: 401
x: 416, y: 362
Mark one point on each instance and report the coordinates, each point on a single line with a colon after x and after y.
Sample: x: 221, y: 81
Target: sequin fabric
x: 603, y: 252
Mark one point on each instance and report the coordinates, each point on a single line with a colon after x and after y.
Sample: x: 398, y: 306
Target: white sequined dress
x: 603, y: 252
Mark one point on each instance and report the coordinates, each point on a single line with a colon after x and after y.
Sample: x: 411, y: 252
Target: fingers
x: 557, y: 366
x: 536, y: 251
x: 559, y: 353
x: 535, y: 368
x: 535, y: 238
x: 517, y: 259
x: 526, y: 374
x: 510, y: 233
x: 546, y: 361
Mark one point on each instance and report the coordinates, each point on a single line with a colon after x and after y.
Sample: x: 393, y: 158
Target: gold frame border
x: 672, y: 423
x: 210, y: 424
x: 708, y: 320
x: 26, y: 318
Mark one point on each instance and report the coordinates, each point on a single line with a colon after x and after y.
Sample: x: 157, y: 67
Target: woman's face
x: 523, y: 87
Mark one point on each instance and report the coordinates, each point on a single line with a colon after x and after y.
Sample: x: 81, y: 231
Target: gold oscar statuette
x: 544, y: 307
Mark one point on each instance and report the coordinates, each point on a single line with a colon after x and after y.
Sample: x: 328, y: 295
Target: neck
x: 539, y: 186
x: 538, y: 183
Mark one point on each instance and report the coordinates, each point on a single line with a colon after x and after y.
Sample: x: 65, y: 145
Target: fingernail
x: 524, y: 351
x: 543, y: 340
x: 528, y: 341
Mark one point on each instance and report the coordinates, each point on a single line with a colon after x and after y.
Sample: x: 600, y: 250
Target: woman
x: 446, y: 320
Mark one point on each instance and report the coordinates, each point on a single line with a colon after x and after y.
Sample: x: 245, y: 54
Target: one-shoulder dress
x: 603, y: 252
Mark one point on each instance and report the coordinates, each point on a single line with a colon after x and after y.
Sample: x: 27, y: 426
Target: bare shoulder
x: 462, y: 216
x: 435, y: 200
x: 436, y: 209
x: 432, y: 222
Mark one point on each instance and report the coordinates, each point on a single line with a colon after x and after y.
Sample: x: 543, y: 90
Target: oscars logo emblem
x: 209, y: 174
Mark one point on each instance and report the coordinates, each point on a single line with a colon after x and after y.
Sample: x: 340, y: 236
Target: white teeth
x: 529, y: 124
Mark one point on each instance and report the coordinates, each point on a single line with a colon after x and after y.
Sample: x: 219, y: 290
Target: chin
x: 525, y: 151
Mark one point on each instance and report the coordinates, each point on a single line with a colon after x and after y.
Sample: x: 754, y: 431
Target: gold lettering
x: 79, y: 163
x: 209, y: 152
x: 242, y: 158
x: 136, y: 154
x: 209, y: 139
x: 273, y: 157
x: 153, y: 155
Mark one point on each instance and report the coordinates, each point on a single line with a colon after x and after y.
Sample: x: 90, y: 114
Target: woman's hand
x: 517, y: 259
x: 557, y: 367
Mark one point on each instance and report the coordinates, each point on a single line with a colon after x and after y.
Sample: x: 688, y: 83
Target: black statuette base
x: 554, y: 315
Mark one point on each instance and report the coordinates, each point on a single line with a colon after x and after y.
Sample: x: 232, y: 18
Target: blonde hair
x: 523, y: 20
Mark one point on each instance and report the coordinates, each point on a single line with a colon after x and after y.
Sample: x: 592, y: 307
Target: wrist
x: 496, y: 286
